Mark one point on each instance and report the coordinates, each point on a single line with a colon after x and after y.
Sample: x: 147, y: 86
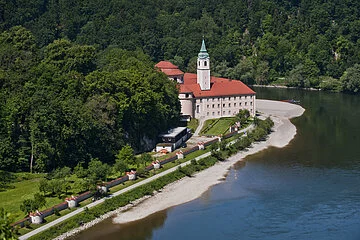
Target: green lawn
x: 25, y: 187
x: 218, y: 126
x: 12, y: 198
x: 193, y: 124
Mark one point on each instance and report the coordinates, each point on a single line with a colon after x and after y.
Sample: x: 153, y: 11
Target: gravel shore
x: 188, y: 189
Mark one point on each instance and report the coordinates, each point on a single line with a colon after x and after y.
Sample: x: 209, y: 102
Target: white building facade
x: 204, y: 96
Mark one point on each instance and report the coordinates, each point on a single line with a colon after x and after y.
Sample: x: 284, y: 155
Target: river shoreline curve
x: 188, y: 189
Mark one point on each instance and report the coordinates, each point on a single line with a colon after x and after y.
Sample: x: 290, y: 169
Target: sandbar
x: 188, y: 189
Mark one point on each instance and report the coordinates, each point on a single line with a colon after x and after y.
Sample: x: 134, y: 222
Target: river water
x: 308, y: 190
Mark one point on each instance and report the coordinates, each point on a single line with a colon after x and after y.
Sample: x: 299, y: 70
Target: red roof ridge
x: 166, y: 65
x: 219, y: 87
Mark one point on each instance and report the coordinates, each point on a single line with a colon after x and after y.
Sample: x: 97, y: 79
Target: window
x: 223, y: 104
x: 234, y: 104
x: 175, y: 78
x: 213, y: 113
x: 213, y: 99
x: 229, y: 98
x: 250, y: 103
x: 218, y: 105
x: 197, y: 109
x: 223, y: 112
x: 207, y: 113
x: 240, y: 104
x: 245, y: 103
x: 200, y: 100
x: 213, y: 105
x: 219, y: 113
x: 199, y: 63
x: 186, y: 94
x: 218, y: 99
x: 205, y: 63
x: 207, y: 106
x: 229, y: 112
x: 229, y: 104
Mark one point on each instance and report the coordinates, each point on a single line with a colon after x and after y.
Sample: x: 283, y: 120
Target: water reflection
x: 139, y: 230
x: 238, y: 165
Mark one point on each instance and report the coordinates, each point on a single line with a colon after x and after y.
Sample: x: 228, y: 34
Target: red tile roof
x: 219, y: 87
x: 172, y: 72
x: 169, y: 69
x: 166, y: 64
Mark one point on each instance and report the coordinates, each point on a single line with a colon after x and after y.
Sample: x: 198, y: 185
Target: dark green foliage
x: 255, y: 41
x: 56, y: 212
x: 351, y: 79
x: 330, y: 84
x: 126, y: 156
x: 5, y: 179
x: 69, y: 103
x: 147, y: 189
x: 263, y: 128
x: 31, y: 205
x: 242, y: 116
x: 144, y: 159
x: 80, y: 171
x: 77, y: 81
x: 6, y: 231
x: 121, y: 200
x: 98, y: 170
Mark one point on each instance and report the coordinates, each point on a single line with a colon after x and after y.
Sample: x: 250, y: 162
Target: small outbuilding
x: 173, y: 139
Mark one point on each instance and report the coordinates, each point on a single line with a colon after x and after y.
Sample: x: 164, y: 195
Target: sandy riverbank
x: 189, y: 189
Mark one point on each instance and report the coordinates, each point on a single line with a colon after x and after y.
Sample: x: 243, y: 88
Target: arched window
x: 199, y: 63
x: 205, y: 63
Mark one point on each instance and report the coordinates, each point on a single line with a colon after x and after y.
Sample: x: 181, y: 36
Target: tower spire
x: 203, y: 68
x: 203, y: 52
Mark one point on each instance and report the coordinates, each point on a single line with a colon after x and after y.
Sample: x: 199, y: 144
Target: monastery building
x: 205, y: 96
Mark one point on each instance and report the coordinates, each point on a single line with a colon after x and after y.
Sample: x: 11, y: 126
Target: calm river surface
x: 307, y: 190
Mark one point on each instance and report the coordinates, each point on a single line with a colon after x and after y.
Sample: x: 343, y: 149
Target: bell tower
x: 203, y: 68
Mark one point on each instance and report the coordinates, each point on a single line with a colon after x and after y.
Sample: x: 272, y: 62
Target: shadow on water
x: 138, y: 230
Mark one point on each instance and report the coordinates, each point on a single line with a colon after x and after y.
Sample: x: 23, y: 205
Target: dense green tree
x: 331, y: 84
x: 351, y: 79
x: 242, y: 116
x: 126, y: 155
x: 144, y: 159
x: 78, y: 82
x: 80, y: 171
x: 304, y: 75
x: 5, y: 179
x: 31, y: 205
x: 6, y: 231
x: 120, y: 166
x: 98, y: 170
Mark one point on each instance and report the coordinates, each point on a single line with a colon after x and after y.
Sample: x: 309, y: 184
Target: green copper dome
x: 203, y: 53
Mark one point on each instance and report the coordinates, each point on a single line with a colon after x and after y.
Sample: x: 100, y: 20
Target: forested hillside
x: 298, y: 43
x: 68, y: 103
x: 77, y: 80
